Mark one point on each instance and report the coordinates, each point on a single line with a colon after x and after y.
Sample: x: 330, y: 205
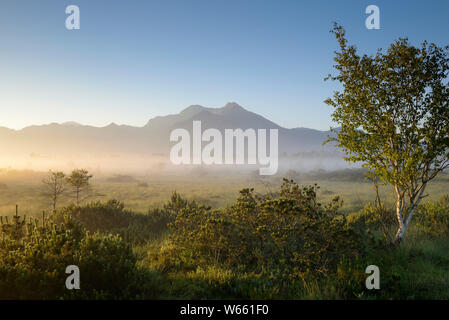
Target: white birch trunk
x: 403, y: 226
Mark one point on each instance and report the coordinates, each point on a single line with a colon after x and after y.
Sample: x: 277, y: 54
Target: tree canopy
x: 394, y: 115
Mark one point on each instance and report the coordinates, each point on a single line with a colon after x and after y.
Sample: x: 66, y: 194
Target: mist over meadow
x: 139, y: 150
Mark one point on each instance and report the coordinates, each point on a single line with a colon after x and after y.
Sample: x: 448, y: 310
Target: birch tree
x: 393, y: 111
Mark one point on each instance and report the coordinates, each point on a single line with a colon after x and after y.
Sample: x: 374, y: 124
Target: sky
x: 133, y: 60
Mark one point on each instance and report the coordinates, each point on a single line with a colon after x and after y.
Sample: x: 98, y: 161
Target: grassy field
x: 140, y: 193
x: 166, y: 246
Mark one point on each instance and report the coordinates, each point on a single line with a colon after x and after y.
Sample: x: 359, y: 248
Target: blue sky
x: 133, y: 60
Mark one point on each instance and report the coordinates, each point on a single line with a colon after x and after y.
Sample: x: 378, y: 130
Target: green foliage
x: 393, y: 109
x: 112, y: 217
x: 432, y: 219
x: 79, y: 180
x: 15, y: 230
x: 394, y: 116
x: 287, y: 246
x: 413, y: 270
x: 279, y: 245
x: 372, y: 219
x: 34, y: 268
x: 290, y: 232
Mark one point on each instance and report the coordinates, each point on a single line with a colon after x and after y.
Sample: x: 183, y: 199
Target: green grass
x: 27, y: 190
x: 416, y: 269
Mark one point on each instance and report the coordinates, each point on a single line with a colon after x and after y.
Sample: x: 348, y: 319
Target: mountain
x: 71, y: 138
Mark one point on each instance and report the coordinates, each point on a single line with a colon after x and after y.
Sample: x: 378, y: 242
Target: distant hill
x: 71, y: 138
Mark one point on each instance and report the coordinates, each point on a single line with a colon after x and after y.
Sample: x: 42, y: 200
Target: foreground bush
x: 374, y: 222
x: 432, y: 219
x: 112, y: 217
x: 33, y: 267
x: 290, y: 234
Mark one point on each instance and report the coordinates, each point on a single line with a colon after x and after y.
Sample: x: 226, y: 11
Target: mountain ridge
x: 72, y: 137
x: 186, y: 111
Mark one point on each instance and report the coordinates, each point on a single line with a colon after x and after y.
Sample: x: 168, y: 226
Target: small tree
x: 394, y: 116
x: 55, y: 185
x: 79, y: 181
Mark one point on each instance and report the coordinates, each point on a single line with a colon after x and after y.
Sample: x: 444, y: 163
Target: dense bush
x: 285, y: 245
x: 33, y: 267
x: 379, y: 222
x: 291, y: 234
x: 432, y: 219
x: 112, y: 217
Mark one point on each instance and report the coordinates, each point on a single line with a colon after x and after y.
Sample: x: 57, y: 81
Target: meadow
x: 140, y: 193
x: 218, y: 236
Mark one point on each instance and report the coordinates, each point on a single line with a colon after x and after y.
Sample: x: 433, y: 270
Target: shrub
x: 432, y: 219
x: 290, y: 232
x: 33, y: 267
x: 112, y: 217
x: 374, y: 220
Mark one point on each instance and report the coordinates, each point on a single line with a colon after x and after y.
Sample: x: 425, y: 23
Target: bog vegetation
x: 280, y: 244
